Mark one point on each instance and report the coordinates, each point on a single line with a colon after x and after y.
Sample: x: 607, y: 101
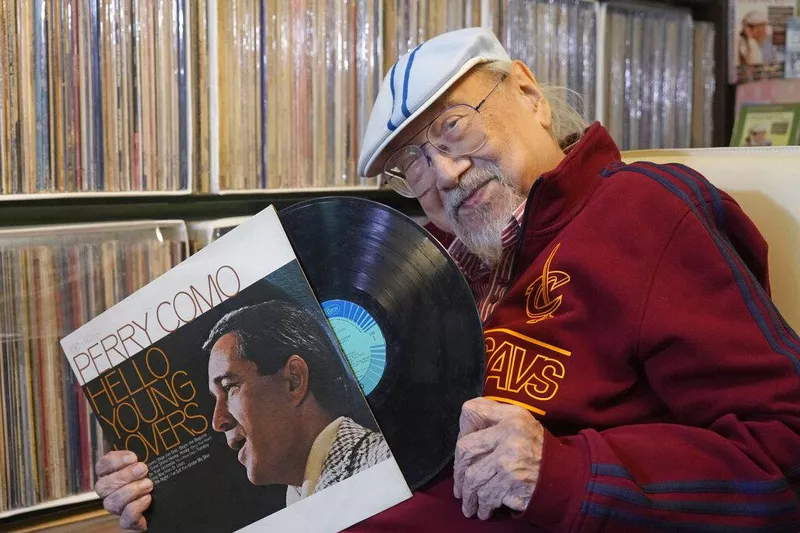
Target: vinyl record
x: 405, y: 317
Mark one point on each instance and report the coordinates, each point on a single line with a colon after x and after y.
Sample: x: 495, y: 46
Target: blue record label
x: 361, y: 340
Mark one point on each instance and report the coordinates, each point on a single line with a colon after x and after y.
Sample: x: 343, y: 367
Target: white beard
x: 488, y: 221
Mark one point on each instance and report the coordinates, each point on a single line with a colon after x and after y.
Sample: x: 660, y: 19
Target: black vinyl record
x: 405, y: 317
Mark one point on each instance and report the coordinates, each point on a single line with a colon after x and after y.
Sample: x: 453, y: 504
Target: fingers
x: 118, y: 501
x: 476, y: 477
x: 115, y: 480
x: 517, y: 502
x: 132, y: 518
x: 469, y: 504
x: 114, y: 461
x: 472, y: 416
x: 124, y: 488
x: 479, y: 443
x: 468, y: 450
x: 495, y: 439
x: 490, y: 497
x: 481, y: 413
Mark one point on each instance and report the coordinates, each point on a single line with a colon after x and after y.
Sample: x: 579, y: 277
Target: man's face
x: 255, y: 413
x: 474, y: 196
x: 759, y: 32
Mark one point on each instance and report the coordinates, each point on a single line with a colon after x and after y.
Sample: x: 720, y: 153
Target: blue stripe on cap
x: 389, y: 124
x: 403, y: 106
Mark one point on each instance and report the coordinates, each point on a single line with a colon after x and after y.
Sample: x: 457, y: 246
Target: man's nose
x: 222, y: 420
x: 449, y: 169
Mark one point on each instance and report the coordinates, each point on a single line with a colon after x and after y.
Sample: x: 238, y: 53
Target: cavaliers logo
x: 542, y: 301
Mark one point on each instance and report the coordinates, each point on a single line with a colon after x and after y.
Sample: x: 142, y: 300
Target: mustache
x: 474, y: 179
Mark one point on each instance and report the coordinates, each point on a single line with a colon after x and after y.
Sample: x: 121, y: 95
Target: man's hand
x: 124, y: 488
x: 497, y: 458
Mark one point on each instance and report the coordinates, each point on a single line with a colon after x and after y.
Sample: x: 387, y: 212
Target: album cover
x: 767, y: 125
x: 793, y: 48
x: 757, y: 39
x: 224, y: 376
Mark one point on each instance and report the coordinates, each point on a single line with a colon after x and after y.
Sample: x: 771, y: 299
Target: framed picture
x: 757, y: 39
x: 767, y: 125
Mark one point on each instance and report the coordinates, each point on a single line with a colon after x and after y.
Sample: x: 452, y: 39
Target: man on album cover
x: 280, y: 389
x: 757, y: 136
x: 754, y: 47
x: 281, y: 394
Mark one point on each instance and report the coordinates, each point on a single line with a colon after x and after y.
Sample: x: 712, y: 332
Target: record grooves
x: 366, y: 261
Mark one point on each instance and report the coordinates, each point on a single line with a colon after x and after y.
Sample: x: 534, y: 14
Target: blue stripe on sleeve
x: 716, y: 197
x: 739, y: 275
x: 744, y: 487
x: 603, y: 469
x: 793, y: 341
x: 700, y: 507
x: 653, y: 524
x: 698, y: 193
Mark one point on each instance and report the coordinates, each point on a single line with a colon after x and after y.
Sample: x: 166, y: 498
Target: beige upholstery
x: 766, y: 183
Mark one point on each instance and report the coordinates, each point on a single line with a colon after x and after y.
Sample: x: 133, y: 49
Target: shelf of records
x: 176, y: 97
x: 55, y: 279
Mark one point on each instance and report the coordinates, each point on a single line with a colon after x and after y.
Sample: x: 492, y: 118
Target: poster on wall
x: 757, y: 38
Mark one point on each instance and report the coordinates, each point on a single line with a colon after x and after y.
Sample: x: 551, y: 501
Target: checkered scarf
x: 355, y: 448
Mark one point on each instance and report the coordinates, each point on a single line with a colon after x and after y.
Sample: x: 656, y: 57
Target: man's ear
x: 296, y: 376
x: 531, y: 93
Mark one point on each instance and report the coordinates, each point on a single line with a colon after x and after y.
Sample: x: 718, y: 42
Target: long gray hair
x: 568, y: 124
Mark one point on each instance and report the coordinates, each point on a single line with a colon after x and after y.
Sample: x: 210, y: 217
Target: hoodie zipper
x: 521, y: 236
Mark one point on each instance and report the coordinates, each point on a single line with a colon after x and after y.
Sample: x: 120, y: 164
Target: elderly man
x: 751, y: 39
x: 638, y: 377
x: 757, y: 136
x: 754, y: 47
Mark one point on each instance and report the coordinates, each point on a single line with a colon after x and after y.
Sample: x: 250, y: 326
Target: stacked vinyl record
x: 422, y: 352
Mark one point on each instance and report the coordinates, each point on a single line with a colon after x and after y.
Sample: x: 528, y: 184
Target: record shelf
x: 717, y: 12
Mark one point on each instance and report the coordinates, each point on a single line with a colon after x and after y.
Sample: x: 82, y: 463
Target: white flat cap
x: 416, y: 80
x: 753, y: 18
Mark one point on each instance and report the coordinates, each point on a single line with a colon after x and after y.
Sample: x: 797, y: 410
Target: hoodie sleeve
x: 717, y: 351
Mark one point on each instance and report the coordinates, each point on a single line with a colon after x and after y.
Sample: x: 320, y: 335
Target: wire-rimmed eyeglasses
x: 457, y: 131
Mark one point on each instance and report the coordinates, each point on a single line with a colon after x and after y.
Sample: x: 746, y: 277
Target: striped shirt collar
x: 470, y: 264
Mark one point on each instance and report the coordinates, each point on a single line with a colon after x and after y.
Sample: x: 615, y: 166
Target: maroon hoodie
x: 639, y: 330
